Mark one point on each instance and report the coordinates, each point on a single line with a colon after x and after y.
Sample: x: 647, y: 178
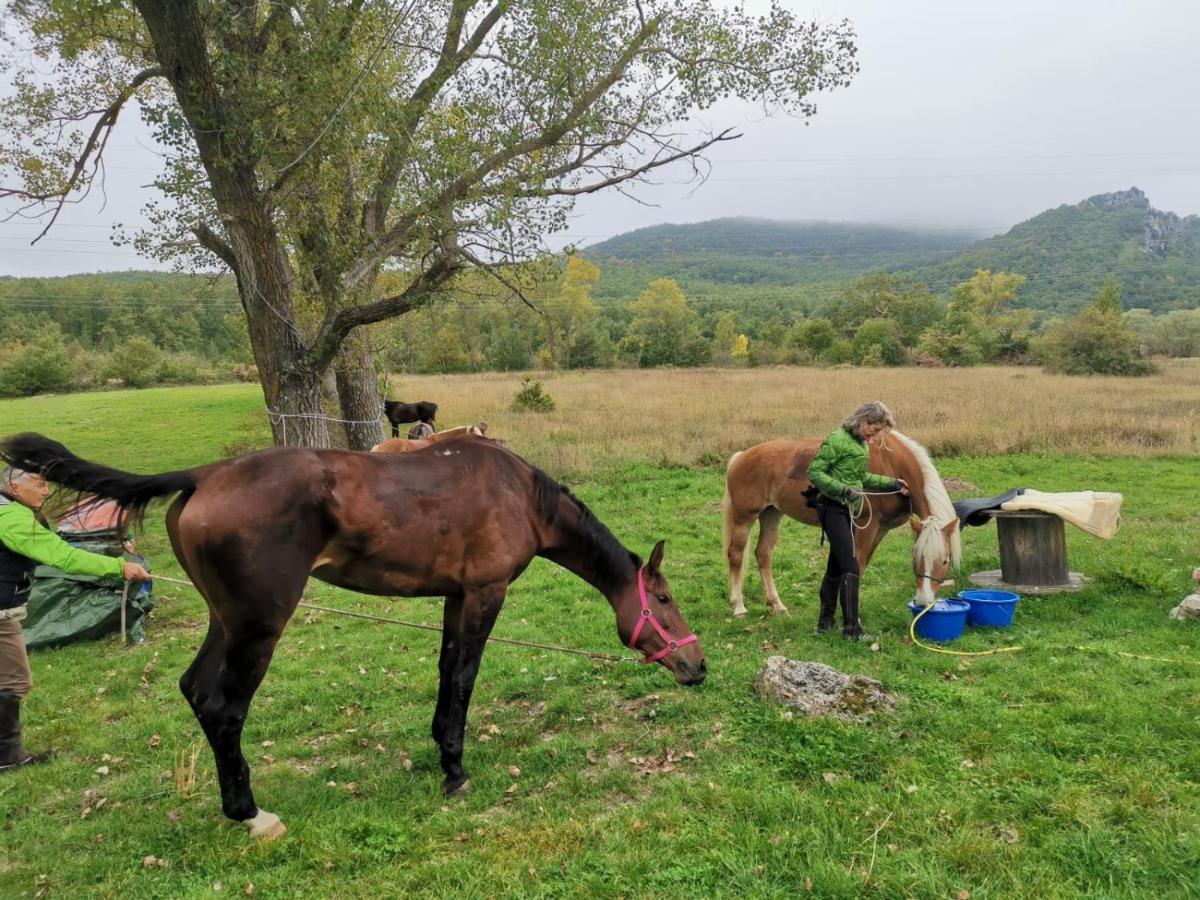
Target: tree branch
x: 340, y: 323
x: 94, y: 145
x: 215, y: 244
x: 450, y: 61
x: 460, y: 187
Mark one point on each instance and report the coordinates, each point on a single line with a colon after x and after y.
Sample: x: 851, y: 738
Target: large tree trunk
x: 291, y: 385
x: 253, y: 250
x: 358, y: 392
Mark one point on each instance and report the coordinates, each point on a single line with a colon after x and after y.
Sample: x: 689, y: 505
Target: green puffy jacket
x: 842, y: 462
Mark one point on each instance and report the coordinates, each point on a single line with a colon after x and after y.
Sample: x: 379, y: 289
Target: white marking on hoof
x: 739, y: 610
x: 779, y: 609
x: 265, y: 826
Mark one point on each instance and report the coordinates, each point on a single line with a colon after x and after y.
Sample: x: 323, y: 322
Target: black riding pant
x: 835, y: 522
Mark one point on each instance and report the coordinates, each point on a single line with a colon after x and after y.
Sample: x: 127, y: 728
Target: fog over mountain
x: 966, y: 117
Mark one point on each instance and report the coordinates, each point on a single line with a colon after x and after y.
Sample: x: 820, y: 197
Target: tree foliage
x: 1095, y: 341
x: 312, y: 145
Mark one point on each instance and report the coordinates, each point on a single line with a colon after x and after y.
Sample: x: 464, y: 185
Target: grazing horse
x: 398, y: 413
x: 462, y: 524
x: 408, y: 445
x: 768, y: 481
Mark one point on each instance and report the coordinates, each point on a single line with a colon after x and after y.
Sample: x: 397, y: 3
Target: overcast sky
x: 966, y: 115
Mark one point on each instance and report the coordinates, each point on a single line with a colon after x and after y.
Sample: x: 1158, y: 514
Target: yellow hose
x: 912, y: 633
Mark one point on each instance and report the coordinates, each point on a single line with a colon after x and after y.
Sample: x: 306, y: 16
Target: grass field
x: 1049, y: 772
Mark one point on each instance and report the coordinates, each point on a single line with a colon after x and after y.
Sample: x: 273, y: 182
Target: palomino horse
x: 759, y: 485
x: 462, y: 524
x: 408, y: 445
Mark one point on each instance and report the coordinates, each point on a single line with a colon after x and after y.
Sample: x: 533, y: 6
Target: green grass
x: 1043, y: 773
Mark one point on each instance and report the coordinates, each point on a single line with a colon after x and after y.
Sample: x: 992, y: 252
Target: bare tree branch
x: 450, y: 61
x: 94, y: 146
x: 460, y: 187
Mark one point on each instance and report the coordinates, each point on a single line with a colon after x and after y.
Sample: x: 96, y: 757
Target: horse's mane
x: 599, y: 546
x: 930, y: 543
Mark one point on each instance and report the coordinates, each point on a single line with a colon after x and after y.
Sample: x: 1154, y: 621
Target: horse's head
x: 649, y: 621
x: 935, y: 555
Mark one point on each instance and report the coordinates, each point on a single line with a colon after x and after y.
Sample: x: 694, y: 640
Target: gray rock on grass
x: 820, y: 690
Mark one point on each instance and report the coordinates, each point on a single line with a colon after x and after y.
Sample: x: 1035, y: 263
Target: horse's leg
x: 447, y: 660
x: 249, y: 611
x: 480, y: 606
x: 395, y: 429
x: 768, y: 535
x: 736, y: 533
x: 866, y: 542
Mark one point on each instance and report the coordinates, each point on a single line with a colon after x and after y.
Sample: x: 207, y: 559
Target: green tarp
x: 65, y: 608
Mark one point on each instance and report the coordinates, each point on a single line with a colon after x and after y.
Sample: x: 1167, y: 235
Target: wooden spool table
x: 1033, y: 554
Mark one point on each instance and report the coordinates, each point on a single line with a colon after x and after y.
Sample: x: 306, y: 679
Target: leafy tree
x: 815, y: 336
x: 312, y: 144
x: 877, y: 343
x: 724, y: 338
x: 136, y: 361
x: 37, y: 367
x: 570, y: 314
x: 444, y: 353
x: 663, y: 331
x: 986, y: 299
x: 1095, y: 341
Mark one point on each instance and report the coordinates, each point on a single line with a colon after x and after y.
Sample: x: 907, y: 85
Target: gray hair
x: 10, y: 475
x: 873, y: 413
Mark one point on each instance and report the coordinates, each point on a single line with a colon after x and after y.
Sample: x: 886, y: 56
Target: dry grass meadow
x: 701, y: 416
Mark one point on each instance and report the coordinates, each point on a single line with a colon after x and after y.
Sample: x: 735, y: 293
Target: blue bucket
x: 945, y: 621
x: 990, y: 609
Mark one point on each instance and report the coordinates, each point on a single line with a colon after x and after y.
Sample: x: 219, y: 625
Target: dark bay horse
x: 760, y: 486
x: 399, y: 413
x: 462, y: 522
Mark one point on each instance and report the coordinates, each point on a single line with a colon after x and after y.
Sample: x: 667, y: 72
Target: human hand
x: 902, y: 486
x: 135, y: 572
x: 851, y: 494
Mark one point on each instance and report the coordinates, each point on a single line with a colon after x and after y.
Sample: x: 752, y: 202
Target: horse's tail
x: 57, y: 464
x: 727, y: 509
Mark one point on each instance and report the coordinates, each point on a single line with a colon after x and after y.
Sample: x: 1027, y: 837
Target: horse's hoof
x: 265, y: 827
x: 457, y: 788
x: 779, y: 610
x: 739, y: 612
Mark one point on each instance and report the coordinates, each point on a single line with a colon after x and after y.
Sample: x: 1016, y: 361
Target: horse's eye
x: 664, y: 598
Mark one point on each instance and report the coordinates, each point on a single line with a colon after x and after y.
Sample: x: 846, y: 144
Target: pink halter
x: 647, y: 616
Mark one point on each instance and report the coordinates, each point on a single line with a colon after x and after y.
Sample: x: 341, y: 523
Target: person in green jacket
x: 839, y: 473
x: 24, y: 542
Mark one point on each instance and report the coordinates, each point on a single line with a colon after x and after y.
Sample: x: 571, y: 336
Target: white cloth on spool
x: 1096, y: 512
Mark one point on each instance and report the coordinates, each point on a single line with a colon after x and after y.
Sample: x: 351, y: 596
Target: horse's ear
x: 656, y: 556
x: 916, y: 525
x: 949, y: 528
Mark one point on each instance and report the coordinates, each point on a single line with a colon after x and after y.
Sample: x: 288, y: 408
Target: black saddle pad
x: 975, y: 511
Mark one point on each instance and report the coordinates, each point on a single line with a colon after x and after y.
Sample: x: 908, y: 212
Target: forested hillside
x: 1065, y: 255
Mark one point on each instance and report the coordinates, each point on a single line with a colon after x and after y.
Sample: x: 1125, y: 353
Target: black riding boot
x: 12, y: 754
x: 851, y: 626
x: 829, y: 603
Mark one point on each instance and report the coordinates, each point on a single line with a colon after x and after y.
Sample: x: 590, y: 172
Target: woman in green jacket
x: 839, y: 472
x: 25, y: 542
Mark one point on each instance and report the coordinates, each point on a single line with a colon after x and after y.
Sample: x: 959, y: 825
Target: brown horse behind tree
x: 462, y: 523
x: 768, y: 482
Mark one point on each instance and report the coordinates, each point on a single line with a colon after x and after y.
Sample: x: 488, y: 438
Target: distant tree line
x: 87, y: 332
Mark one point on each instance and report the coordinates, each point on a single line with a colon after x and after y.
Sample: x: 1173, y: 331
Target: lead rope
x: 421, y: 625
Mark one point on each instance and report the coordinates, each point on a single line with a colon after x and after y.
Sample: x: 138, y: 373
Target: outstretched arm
x: 21, y: 533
